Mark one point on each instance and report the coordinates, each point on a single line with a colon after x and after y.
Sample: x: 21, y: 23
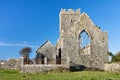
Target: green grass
x: 83, y: 75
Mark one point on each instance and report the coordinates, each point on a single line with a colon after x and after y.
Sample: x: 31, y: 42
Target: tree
x: 110, y: 54
x: 116, y: 57
x: 25, y: 52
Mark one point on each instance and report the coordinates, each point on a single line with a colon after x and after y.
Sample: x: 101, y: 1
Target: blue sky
x: 32, y: 22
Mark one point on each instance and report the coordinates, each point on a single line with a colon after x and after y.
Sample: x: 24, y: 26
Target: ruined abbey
x: 80, y: 40
x: 81, y: 44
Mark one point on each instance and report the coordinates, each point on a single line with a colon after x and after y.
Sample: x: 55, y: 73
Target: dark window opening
x: 58, y: 57
x: 39, y: 58
x: 71, y: 20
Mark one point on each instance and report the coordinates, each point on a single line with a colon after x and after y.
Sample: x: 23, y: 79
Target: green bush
x: 116, y: 57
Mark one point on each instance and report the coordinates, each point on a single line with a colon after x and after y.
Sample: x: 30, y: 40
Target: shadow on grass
x: 77, y: 68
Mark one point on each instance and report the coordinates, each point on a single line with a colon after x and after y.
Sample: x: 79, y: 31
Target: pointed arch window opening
x: 84, y: 39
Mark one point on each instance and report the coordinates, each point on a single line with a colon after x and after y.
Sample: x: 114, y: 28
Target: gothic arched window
x: 84, y: 39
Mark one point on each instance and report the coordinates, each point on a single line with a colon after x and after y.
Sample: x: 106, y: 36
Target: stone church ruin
x: 80, y: 42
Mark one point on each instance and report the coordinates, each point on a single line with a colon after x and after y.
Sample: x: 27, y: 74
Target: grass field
x: 83, y: 75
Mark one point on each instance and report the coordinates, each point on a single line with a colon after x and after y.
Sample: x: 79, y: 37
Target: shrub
x: 116, y: 57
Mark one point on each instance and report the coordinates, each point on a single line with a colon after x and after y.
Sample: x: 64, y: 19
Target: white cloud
x: 15, y: 44
x: 25, y: 42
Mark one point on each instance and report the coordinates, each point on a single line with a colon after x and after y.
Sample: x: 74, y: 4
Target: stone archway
x: 84, y: 43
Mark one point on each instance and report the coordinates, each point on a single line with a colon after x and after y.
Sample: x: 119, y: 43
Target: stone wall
x: 35, y: 68
x: 41, y: 68
x: 10, y: 64
x: 113, y: 67
x: 47, y: 50
x: 72, y: 23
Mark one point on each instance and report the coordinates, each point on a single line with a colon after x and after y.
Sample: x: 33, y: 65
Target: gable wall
x: 49, y: 51
x: 69, y: 43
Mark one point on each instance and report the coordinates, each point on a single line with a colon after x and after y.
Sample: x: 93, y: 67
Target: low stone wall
x: 41, y: 68
x: 35, y: 68
x: 112, y: 67
x: 10, y: 64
